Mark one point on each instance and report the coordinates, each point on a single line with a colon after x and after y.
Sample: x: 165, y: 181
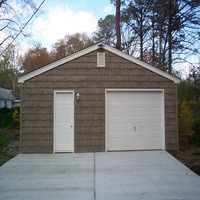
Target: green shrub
x: 16, y: 116
x: 197, y: 141
x: 185, y: 119
x: 6, y: 117
x: 195, y: 107
x: 5, y: 138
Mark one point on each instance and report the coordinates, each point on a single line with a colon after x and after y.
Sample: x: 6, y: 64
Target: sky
x: 60, y: 17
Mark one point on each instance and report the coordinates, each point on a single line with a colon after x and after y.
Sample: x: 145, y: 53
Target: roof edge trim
x: 143, y: 64
x: 62, y: 61
x: 46, y: 68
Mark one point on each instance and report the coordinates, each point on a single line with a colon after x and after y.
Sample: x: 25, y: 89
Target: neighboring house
x: 16, y: 101
x: 6, y: 98
x: 9, y: 98
x: 99, y: 99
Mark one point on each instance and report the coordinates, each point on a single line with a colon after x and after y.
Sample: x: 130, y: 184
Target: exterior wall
x: 16, y: 103
x: 83, y: 76
x: 8, y: 103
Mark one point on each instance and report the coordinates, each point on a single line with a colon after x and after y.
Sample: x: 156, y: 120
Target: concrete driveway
x: 149, y: 175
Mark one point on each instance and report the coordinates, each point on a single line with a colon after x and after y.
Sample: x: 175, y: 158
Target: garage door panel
x: 153, y: 119
x: 140, y: 103
x: 141, y: 112
x: 129, y: 112
x: 115, y: 127
x: 142, y: 127
x: 116, y: 143
x: 139, y: 120
x: 154, y: 127
x: 114, y: 119
x: 128, y: 127
x: 153, y: 143
x: 115, y: 111
x: 153, y: 112
x: 153, y: 104
x: 128, y: 119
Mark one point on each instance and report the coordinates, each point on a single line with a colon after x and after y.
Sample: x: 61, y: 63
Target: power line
x: 23, y: 27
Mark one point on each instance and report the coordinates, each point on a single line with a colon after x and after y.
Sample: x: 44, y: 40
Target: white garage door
x: 134, y: 120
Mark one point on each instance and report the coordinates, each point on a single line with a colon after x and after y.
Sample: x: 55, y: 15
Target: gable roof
x: 6, y: 94
x: 16, y: 94
x: 55, y: 64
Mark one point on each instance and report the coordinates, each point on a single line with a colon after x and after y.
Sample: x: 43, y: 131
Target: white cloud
x: 60, y: 21
x: 108, y: 8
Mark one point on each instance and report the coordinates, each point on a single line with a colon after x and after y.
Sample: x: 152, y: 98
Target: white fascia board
x: 57, y: 63
x: 143, y: 64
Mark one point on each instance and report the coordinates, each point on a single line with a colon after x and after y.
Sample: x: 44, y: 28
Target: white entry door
x: 135, y: 120
x: 63, y: 121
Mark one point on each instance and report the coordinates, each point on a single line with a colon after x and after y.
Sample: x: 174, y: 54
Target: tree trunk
x: 118, y: 31
x: 153, y: 41
x: 141, y: 35
x: 160, y: 46
x: 170, y: 38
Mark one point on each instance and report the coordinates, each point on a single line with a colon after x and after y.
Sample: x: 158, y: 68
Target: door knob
x: 134, y: 128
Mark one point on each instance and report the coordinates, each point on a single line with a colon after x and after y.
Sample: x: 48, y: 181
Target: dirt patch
x: 188, y: 154
x: 11, y: 149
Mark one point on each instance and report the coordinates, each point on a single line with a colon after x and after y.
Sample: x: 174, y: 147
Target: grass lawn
x: 6, y: 136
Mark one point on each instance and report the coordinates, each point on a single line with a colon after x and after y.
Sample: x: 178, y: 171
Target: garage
x: 134, y: 120
x: 77, y: 104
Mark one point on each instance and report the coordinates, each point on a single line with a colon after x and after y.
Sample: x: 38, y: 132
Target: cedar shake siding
x: 83, y: 76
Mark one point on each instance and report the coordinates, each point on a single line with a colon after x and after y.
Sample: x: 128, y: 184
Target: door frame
x: 54, y: 116
x: 136, y: 90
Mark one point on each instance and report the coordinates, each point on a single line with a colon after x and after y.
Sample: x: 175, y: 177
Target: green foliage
x: 106, y: 31
x: 188, y: 91
x: 197, y: 141
x: 16, y: 116
x: 8, y: 70
x: 5, y: 72
x: 185, y: 119
x: 6, y: 117
x: 189, y: 118
x: 189, y: 105
x: 5, y: 138
x: 195, y: 108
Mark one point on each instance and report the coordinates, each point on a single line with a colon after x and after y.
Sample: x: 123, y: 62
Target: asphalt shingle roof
x: 6, y: 94
x: 16, y: 94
